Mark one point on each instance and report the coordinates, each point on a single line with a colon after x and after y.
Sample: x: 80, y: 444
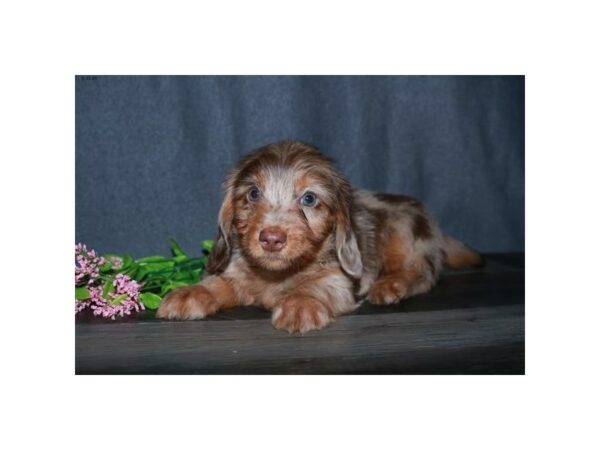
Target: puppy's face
x: 283, y: 214
x: 283, y: 203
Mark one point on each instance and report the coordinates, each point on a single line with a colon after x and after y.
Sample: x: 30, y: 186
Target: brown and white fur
x: 307, y: 262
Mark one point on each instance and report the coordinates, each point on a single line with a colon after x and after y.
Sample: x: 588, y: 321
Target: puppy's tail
x: 460, y: 256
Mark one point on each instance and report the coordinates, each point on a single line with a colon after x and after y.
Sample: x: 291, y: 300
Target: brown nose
x: 272, y: 239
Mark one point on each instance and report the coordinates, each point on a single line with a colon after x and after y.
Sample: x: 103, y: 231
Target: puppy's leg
x: 198, y: 301
x: 314, y: 302
x: 408, y: 269
x: 395, y: 286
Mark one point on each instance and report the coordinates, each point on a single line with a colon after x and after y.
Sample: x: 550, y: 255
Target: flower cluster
x: 80, y: 305
x: 87, y: 265
x: 123, y: 301
x: 109, y: 296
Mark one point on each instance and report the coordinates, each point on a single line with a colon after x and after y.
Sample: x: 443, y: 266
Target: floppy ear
x: 346, y: 245
x: 221, y: 253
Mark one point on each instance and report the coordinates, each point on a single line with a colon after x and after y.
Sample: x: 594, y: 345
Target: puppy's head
x: 283, y: 203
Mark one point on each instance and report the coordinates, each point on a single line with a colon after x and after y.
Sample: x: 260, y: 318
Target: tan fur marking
x: 394, y: 256
x: 303, y: 181
x: 397, y: 279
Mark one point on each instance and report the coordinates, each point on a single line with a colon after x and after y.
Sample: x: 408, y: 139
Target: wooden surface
x: 471, y: 323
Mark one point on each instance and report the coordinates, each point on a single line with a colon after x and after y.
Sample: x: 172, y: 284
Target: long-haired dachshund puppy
x: 295, y: 239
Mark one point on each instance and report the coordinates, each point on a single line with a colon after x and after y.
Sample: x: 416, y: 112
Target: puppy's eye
x: 254, y: 194
x: 308, y: 199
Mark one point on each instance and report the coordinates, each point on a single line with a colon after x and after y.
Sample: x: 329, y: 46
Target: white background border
x: 44, y: 44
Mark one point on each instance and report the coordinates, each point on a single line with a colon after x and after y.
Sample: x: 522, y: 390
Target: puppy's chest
x: 256, y: 291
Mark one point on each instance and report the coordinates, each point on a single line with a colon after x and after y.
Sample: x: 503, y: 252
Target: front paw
x: 300, y: 315
x: 188, y: 303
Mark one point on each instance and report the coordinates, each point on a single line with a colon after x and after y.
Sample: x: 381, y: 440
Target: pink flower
x: 122, y: 302
x: 116, y: 262
x: 87, y: 265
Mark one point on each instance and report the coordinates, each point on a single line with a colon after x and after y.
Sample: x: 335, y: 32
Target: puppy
x: 295, y: 239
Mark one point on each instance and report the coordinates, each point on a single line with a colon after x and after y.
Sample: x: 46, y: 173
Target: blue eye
x: 308, y: 199
x: 253, y: 194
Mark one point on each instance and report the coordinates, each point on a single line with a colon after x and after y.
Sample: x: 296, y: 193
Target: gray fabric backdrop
x: 151, y: 152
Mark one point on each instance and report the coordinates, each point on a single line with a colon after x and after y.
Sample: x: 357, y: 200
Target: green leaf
x: 82, y: 293
x: 165, y: 290
x: 108, y: 289
x: 191, y: 264
x: 156, y: 266
x: 197, y: 274
x: 170, y: 286
x: 119, y: 299
x: 208, y: 245
x: 180, y: 258
x: 154, y: 283
x: 150, y: 300
x: 140, y: 274
x: 176, y: 248
x: 188, y: 277
x: 153, y: 289
x: 150, y: 259
x: 127, y: 262
x: 106, y: 267
x: 153, y: 270
x: 131, y: 270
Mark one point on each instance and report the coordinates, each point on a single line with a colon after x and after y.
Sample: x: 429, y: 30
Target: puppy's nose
x: 272, y: 239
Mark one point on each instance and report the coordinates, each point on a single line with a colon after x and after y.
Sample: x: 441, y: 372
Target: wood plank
x: 487, y: 339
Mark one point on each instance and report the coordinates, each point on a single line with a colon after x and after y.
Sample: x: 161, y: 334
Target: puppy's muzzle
x: 272, y: 239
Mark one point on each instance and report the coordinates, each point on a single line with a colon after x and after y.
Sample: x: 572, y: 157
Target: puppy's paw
x: 388, y: 290
x: 300, y: 315
x: 188, y: 303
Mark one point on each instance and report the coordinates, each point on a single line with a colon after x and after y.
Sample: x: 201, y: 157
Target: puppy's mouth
x: 273, y: 260
x: 275, y: 249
